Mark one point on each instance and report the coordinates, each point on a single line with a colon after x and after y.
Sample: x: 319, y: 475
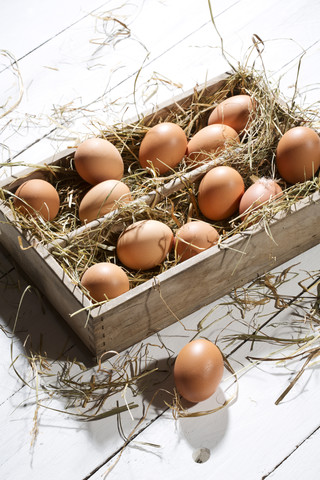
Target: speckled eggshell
x: 97, y: 159
x: 234, y: 111
x: 198, y: 370
x: 144, y: 244
x: 298, y: 154
x: 164, y: 145
x: 194, y: 237
x: 105, y: 281
x: 37, y: 196
x: 220, y: 192
x: 258, y: 194
x: 103, y: 198
x: 209, y: 140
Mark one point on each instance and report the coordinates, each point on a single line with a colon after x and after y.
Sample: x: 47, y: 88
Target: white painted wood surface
x: 62, y: 65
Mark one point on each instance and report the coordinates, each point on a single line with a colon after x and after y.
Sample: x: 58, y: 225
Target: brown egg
x: 210, y: 139
x: 37, y: 196
x: 258, y: 194
x: 234, y: 112
x: 102, y: 198
x: 220, y: 192
x: 144, y: 244
x: 194, y: 237
x: 298, y: 154
x: 164, y: 145
x: 198, y: 370
x: 96, y: 160
x: 105, y: 281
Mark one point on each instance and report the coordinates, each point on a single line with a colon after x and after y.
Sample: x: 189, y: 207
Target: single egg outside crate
x: 198, y: 370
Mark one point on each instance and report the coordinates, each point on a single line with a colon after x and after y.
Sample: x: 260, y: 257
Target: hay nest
x: 253, y: 157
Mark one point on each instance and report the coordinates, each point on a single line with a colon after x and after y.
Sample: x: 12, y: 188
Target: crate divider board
x: 173, y: 294
x: 164, y: 190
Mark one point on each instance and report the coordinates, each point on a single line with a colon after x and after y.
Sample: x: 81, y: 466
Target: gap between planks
x: 289, y: 455
x: 121, y: 449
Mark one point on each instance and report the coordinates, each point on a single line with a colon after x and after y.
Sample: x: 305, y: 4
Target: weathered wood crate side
x: 207, y: 277
x: 44, y: 271
x: 176, y: 293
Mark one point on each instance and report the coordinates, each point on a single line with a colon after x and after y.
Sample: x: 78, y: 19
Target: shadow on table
x: 157, y: 388
x: 205, y: 432
x: 26, y: 316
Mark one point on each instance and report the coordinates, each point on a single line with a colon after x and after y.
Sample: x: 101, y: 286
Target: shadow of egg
x: 205, y: 432
x: 157, y: 387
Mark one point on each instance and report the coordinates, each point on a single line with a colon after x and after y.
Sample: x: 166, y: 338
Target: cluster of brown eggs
x: 145, y: 244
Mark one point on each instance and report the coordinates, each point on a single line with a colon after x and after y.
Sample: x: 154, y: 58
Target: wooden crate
x: 179, y: 291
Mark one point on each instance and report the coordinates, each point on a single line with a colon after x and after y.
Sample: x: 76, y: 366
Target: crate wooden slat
x: 183, y: 289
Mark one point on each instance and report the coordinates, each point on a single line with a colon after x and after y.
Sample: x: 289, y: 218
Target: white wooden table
x: 77, y: 54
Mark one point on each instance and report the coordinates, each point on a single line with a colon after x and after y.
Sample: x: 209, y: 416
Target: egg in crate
x: 209, y: 140
x: 102, y: 199
x: 163, y: 147
x: 97, y: 159
x: 258, y: 194
x: 104, y: 281
x: 144, y: 244
x: 298, y: 154
x: 220, y: 192
x: 36, y: 196
x: 198, y: 370
x: 194, y: 237
x: 235, y: 111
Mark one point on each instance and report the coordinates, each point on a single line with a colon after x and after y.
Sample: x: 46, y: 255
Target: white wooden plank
x: 201, y: 57
x: 72, y: 453
x: 31, y: 25
x: 49, y: 76
x: 306, y: 77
